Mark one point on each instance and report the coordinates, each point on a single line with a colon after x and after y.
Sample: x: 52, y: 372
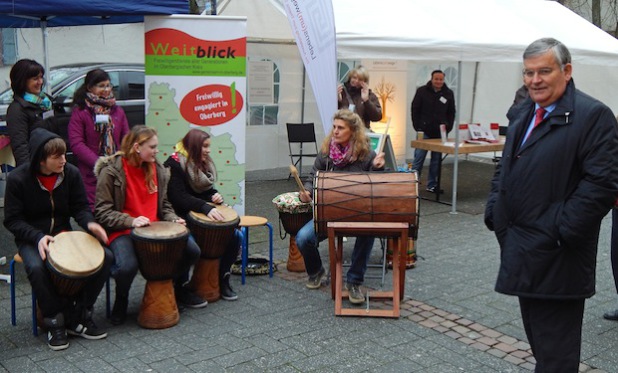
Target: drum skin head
x: 161, y: 230
x: 228, y: 213
x: 76, y: 253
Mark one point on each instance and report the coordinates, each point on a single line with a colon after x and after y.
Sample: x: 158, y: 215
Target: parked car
x: 128, y: 86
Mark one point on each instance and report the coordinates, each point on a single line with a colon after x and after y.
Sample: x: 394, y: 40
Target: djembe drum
x: 213, y: 238
x: 409, y: 256
x: 73, y: 258
x: 159, y: 248
x: 293, y: 214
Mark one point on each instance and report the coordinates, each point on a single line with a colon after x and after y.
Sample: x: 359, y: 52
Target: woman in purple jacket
x: 97, y: 126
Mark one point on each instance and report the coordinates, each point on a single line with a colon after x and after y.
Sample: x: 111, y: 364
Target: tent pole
x: 476, y: 71
x: 45, y: 52
x: 456, y: 155
x: 302, y: 107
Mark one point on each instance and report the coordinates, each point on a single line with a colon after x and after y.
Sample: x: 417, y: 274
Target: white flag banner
x: 313, y: 26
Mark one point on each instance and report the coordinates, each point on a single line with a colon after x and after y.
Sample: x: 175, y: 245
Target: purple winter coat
x: 84, y: 140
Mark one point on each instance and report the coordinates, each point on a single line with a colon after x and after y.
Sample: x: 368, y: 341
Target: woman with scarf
x: 97, y: 126
x: 346, y: 148
x: 356, y: 96
x: 191, y: 187
x: 31, y: 107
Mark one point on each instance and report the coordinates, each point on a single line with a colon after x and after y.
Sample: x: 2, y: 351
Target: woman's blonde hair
x: 359, y: 137
x: 360, y: 72
x: 138, y: 135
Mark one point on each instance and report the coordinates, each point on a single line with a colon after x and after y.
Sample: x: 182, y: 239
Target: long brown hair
x: 193, y: 143
x: 359, y: 138
x: 139, y: 134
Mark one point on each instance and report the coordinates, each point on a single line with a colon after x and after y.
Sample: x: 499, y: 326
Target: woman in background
x: 31, y: 107
x: 356, y: 96
x: 97, y: 126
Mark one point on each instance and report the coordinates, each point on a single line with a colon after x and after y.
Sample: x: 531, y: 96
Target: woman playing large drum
x: 193, y: 176
x: 131, y: 193
x: 346, y: 148
x: 41, y: 197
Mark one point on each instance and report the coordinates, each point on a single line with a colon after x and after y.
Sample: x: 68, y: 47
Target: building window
x: 263, y: 92
x: 9, y: 46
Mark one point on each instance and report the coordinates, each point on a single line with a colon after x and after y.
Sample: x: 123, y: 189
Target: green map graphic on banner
x: 164, y: 115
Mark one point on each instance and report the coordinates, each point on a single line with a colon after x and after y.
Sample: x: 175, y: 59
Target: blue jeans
x: 307, y: 242
x: 434, y: 165
x: 126, y: 265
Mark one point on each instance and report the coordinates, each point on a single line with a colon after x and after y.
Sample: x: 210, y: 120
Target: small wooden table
x: 398, y: 232
x: 436, y: 145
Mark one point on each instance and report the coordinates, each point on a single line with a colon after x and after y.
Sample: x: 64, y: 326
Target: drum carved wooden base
x: 296, y: 263
x: 205, y: 279
x: 409, y: 256
x: 158, y: 309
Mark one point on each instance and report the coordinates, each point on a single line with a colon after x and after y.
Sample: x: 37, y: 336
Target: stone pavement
x: 452, y: 320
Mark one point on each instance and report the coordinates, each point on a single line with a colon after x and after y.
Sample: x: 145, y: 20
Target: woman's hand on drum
x: 98, y: 231
x: 180, y: 221
x: 217, y: 198
x: 378, y: 161
x: 140, y: 221
x: 305, y: 196
x: 214, y: 214
x: 44, y: 246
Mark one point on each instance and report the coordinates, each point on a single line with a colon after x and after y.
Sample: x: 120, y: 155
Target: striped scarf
x: 103, y: 105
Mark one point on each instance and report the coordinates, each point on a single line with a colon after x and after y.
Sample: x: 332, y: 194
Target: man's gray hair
x: 542, y: 46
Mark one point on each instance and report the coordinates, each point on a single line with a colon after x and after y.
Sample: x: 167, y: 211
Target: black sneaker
x: 315, y: 281
x: 56, y: 333
x: 189, y: 299
x: 86, y: 328
x: 355, y: 295
x: 226, y: 290
x: 119, y: 312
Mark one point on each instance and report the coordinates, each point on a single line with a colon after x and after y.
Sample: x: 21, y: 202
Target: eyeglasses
x: 546, y: 71
x: 103, y: 86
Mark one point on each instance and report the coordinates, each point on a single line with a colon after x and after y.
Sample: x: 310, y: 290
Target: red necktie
x: 540, y: 113
x: 538, y: 118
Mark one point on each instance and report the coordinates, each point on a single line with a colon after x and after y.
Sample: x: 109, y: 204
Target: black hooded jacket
x: 30, y: 211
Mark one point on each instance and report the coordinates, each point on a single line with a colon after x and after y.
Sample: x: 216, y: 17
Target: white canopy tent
x: 472, y: 30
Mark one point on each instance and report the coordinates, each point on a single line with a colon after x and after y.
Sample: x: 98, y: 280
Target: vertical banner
x: 313, y: 26
x: 196, y: 78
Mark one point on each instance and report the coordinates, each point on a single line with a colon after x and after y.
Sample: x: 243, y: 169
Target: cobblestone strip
x: 473, y: 334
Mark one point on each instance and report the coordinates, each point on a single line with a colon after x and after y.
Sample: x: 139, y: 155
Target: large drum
x: 159, y: 248
x: 213, y: 238
x: 365, y: 197
x: 73, y: 258
x: 293, y: 215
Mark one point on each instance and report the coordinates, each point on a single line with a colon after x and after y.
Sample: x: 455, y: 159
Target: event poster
x: 196, y: 78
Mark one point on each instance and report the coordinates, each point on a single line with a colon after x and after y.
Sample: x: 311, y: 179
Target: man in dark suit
x: 556, y: 181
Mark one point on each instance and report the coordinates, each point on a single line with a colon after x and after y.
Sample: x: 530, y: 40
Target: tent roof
x: 471, y: 30
x: 28, y: 13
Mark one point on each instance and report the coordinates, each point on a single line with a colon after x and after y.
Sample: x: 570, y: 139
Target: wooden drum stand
x: 398, y: 233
